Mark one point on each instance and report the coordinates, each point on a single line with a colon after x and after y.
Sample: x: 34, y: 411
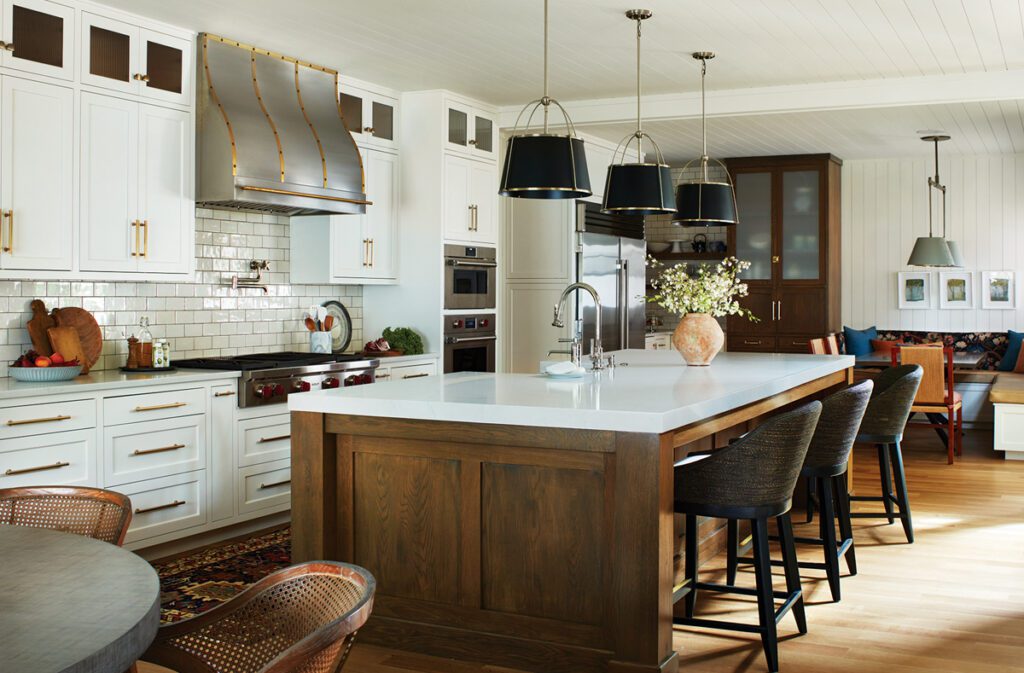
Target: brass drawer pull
x: 267, y: 440
x: 10, y: 230
x: 170, y: 505
x: 59, y: 464
x: 146, y: 452
x: 139, y: 77
x: 225, y: 393
x: 383, y: 376
x: 135, y: 227
x: 415, y: 376
x: 158, y: 407
x: 276, y: 483
x: 30, y: 421
x: 747, y: 342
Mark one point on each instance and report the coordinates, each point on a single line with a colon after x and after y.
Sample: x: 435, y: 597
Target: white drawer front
x: 153, y: 449
x: 264, y: 486
x: 402, y: 372
x: 261, y: 440
x: 153, y: 406
x: 36, y: 419
x: 161, y: 506
x: 1008, y: 433
x: 57, y: 459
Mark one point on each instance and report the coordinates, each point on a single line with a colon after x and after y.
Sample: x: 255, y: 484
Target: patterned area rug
x: 193, y: 584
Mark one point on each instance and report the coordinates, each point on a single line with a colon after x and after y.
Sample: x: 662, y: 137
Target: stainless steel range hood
x: 271, y: 136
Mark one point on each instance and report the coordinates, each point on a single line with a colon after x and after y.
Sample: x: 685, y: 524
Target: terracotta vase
x: 698, y: 338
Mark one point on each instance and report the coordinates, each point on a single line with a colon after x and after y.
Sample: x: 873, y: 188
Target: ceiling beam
x: 847, y: 95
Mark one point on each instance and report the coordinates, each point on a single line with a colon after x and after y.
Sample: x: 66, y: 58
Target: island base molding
x: 543, y: 549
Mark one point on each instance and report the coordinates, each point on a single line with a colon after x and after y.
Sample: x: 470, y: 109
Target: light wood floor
x: 953, y: 601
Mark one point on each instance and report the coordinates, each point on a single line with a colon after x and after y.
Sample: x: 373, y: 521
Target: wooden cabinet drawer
x: 750, y: 344
x: 166, y: 505
x: 153, y: 406
x: 37, y: 419
x: 414, y: 371
x: 138, y: 451
x: 264, y: 486
x: 795, y: 344
x: 59, y: 458
x: 261, y: 440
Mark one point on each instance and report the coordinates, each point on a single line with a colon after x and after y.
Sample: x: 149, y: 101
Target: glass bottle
x: 145, y: 343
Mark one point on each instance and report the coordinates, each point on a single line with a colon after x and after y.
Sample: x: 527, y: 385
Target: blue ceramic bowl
x: 44, y: 374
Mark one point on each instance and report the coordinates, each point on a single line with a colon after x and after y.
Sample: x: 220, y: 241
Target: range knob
x: 278, y: 390
x: 330, y: 382
x: 302, y: 386
x: 264, y: 392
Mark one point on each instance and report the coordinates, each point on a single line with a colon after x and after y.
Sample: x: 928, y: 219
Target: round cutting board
x: 89, y: 333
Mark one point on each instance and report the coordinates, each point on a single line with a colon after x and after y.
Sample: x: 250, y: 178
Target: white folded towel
x: 562, y: 369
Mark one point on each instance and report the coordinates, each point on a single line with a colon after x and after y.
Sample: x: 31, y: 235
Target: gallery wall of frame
x: 956, y: 290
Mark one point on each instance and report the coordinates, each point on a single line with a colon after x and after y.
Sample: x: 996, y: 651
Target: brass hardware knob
x: 139, y: 77
x: 775, y: 259
x: 7, y: 46
x: 472, y: 142
x: 367, y: 129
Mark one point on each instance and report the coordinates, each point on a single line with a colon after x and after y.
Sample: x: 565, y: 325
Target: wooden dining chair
x: 935, y: 394
x: 828, y: 345
x: 301, y: 619
x: 92, y: 512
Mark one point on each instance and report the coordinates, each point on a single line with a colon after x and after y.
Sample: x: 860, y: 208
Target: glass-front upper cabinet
x: 126, y: 58
x: 801, y: 225
x: 754, y: 237
x: 371, y: 117
x: 470, y: 131
x: 38, y: 37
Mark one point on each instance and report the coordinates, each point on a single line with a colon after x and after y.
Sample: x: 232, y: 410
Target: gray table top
x: 961, y: 360
x: 72, y: 604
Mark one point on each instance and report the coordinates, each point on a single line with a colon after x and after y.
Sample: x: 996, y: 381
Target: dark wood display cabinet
x: 789, y: 231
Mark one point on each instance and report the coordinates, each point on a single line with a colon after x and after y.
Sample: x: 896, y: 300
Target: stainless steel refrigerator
x: 610, y: 256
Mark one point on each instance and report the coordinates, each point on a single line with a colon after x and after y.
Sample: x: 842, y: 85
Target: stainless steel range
x: 268, y: 378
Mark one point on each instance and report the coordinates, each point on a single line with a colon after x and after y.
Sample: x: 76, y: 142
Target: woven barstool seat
x: 825, y: 465
x: 751, y: 479
x: 92, y: 512
x: 883, y: 425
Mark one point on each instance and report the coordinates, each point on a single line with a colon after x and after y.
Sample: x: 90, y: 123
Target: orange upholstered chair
x: 936, y: 394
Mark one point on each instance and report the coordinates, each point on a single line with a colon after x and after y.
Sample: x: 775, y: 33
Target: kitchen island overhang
x: 518, y: 520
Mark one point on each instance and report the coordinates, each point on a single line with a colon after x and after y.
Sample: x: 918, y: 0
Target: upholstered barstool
x: 826, y: 464
x: 751, y: 479
x: 883, y: 424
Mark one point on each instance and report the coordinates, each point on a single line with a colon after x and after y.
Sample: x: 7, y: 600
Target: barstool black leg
x: 789, y: 562
x: 885, y: 473
x: 732, y: 544
x: 810, y: 500
x: 845, y: 524
x: 765, y: 596
x: 901, y: 490
x: 690, y: 544
x: 828, y: 536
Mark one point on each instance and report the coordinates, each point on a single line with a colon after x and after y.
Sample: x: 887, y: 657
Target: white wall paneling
x: 885, y: 208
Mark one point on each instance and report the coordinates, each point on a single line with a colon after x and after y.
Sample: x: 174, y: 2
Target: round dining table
x: 69, y: 603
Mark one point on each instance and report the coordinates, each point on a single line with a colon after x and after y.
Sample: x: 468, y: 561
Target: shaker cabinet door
x: 379, y: 221
x: 166, y: 206
x: 458, y: 212
x: 483, y: 188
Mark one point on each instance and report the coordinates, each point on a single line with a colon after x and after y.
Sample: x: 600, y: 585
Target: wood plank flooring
x: 953, y: 601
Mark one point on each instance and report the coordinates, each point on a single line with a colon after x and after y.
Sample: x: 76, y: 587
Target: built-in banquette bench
x: 1007, y: 397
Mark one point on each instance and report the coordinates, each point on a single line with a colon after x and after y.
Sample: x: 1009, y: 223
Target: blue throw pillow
x: 1009, y: 360
x: 858, y: 341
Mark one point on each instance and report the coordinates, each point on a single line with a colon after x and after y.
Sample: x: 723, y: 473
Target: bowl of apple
x: 44, y: 368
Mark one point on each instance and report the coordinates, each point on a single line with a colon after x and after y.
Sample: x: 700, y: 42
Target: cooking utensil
x: 310, y: 325
x: 321, y: 315
x: 37, y: 326
x: 328, y: 323
x: 65, y: 341
x: 89, y: 334
x: 341, y: 329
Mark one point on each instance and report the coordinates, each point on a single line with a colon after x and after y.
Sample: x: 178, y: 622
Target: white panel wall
x: 885, y: 208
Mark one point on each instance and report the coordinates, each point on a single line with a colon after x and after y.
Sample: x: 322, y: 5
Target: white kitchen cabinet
x: 136, y: 211
x: 470, y: 201
x: 36, y: 175
x: 662, y: 341
x: 470, y: 131
x: 370, y: 115
x: 223, y: 404
x: 66, y: 458
x: 39, y: 36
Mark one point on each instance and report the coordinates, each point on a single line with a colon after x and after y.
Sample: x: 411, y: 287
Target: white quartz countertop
x: 107, y: 380
x: 650, y: 391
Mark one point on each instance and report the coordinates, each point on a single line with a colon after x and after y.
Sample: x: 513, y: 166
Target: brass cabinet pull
x: 139, y: 77
x: 373, y: 251
x: 275, y: 483
x: 8, y: 46
x: 9, y: 214
x: 366, y: 252
x: 472, y: 142
x: 748, y: 342
x: 267, y: 440
x: 224, y: 393
x: 415, y: 376
x: 145, y: 238
x: 799, y: 343
x: 146, y: 452
x: 158, y: 407
x: 135, y: 227
x: 30, y: 421
x: 170, y: 505
x: 368, y: 129
x: 779, y: 311
x: 383, y: 376
x: 56, y: 466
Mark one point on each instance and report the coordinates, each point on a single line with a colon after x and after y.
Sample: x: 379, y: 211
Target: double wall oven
x: 469, y: 343
x: 470, y: 277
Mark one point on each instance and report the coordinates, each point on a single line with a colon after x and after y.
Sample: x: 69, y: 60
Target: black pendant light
x: 703, y: 201
x: 640, y: 188
x: 933, y: 250
x: 544, y: 165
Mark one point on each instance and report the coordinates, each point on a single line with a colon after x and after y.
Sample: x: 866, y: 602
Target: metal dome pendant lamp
x: 703, y: 201
x: 933, y: 250
x: 544, y: 165
x: 641, y: 188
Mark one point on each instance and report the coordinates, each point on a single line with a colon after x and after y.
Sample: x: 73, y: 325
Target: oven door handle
x: 460, y: 340
x: 472, y: 262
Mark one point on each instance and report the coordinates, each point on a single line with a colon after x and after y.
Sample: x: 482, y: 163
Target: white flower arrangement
x: 715, y: 292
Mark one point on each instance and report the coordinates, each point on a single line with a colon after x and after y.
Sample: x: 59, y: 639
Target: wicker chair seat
x: 92, y: 512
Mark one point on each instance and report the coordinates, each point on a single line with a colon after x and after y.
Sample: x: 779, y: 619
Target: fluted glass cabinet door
x: 458, y: 127
x: 39, y: 36
x: 383, y: 121
x: 801, y: 225
x: 352, y: 112
x: 754, y: 234
x: 165, y: 69
x: 483, y: 139
x: 109, y: 54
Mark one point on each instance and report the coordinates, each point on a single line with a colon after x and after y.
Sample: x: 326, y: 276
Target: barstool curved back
x: 889, y: 408
x: 841, y: 417
x: 755, y: 476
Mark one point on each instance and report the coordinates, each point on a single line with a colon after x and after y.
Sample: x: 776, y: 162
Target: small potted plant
x: 699, y: 300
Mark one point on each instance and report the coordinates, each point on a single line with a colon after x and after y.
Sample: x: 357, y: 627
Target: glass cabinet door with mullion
x: 38, y: 37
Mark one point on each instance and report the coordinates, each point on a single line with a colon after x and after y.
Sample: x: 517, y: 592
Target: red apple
x: 57, y: 359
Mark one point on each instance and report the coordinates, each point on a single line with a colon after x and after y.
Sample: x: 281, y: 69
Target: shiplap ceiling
x: 491, y: 49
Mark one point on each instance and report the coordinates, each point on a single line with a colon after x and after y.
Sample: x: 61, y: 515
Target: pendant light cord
x: 639, y: 130
x: 546, y: 101
x: 703, y: 116
x: 935, y: 183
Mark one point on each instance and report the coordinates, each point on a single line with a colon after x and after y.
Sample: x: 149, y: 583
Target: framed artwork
x: 956, y: 289
x: 998, y: 290
x: 915, y: 289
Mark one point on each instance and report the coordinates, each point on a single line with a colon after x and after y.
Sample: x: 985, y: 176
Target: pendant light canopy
x: 639, y: 188
x: 544, y: 165
x: 934, y: 250
x: 703, y: 201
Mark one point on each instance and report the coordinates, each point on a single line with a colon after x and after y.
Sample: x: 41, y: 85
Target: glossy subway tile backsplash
x: 202, y: 318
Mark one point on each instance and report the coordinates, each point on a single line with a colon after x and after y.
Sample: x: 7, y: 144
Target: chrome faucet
x: 597, y: 359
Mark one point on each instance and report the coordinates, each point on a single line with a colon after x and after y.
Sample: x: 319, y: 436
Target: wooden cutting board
x: 41, y: 321
x: 89, y: 334
x: 66, y: 342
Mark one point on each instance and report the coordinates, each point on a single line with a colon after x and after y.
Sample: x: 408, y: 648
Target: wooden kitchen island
x: 519, y: 520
